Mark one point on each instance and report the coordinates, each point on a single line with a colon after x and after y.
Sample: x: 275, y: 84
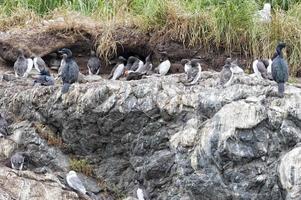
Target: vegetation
x: 216, y: 24
x: 82, y: 166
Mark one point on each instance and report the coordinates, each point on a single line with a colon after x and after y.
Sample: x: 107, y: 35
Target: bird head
x: 195, y: 62
x: 66, y: 51
x: 281, y: 45
x: 228, y: 61
x: 164, y: 56
x: 20, y: 52
x: 267, y: 7
x: 92, y: 53
x: 184, y: 61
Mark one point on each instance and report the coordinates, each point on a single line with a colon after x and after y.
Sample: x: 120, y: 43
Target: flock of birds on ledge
x: 133, y: 68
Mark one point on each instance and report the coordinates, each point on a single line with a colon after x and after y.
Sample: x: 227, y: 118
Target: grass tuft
x: 81, y: 166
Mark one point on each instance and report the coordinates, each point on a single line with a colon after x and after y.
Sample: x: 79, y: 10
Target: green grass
x: 215, y: 24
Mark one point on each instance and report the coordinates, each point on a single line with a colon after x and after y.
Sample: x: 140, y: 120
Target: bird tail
x: 281, y: 89
x: 65, y: 88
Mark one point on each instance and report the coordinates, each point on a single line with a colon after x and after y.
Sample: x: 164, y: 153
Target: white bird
x: 75, y: 183
x: 23, y: 65
x: 118, y: 70
x: 141, y: 191
x: 164, y: 66
x: 140, y: 194
x: 264, y: 15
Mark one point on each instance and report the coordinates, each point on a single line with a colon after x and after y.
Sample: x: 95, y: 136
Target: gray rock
x: 197, y: 142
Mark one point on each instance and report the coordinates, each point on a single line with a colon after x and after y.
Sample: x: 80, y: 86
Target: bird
x: 264, y: 15
x: 69, y: 69
x: 133, y: 63
x: 268, y: 64
x: 194, y: 70
x: 118, y: 70
x: 93, y: 64
x: 17, y: 161
x: 147, y: 67
x: 75, y: 183
x: 39, y: 63
x: 164, y: 66
x: 131, y: 75
x: 226, y: 73
x: 3, y: 126
x: 44, y: 79
x: 187, y: 66
x: 280, y: 69
x: 141, y: 191
x: 22, y: 66
x: 260, y: 69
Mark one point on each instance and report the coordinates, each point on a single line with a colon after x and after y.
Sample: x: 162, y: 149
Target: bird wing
x: 225, y: 76
x: 20, y: 66
x: 41, y: 63
x: 75, y: 183
x: 29, y: 65
x: 118, y: 72
x: 262, y: 69
x: 280, y: 70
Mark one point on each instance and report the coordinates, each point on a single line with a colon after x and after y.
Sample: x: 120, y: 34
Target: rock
x: 32, y: 186
x: 198, y: 142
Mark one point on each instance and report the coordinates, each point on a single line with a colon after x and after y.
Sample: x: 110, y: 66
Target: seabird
x: 260, y: 69
x: 226, y: 73
x: 75, y: 183
x: 187, y: 66
x: 93, y: 64
x: 130, y: 75
x: 147, y: 67
x: 264, y: 15
x: 17, y: 161
x: 194, y: 70
x: 133, y: 63
x: 141, y: 191
x: 69, y: 69
x: 118, y: 70
x: 22, y: 66
x: 39, y: 63
x: 3, y: 126
x: 44, y: 79
x: 164, y: 66
x: 280, y: 69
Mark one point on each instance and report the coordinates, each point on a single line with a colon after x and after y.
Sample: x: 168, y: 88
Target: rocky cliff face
x: 198, y: 142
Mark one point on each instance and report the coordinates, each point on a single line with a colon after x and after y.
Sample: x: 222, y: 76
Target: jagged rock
x: 198, y: 142
x: 32, y: 186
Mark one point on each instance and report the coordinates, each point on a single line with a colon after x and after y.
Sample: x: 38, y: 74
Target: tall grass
x: 215, y: 24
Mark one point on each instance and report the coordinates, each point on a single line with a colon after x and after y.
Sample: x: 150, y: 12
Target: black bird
x: 280, y: 69
x: 45, y: 79
x: 93, y: 64
x: 69, y: 69
x: 3, y: 126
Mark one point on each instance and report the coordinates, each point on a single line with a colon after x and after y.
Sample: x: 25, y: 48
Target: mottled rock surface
x: 198, y: 142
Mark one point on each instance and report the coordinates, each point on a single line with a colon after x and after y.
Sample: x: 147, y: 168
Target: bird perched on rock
x: 39, y: 63
x: 69, y: 69
x: 93, y: 64
x: 118, y: 70
x: 17, y: 161
x: 264, y: 15
x: 280, y: 69
x: 133, y: 63
x: 75, y: 183
x: 22, y: 66
x: 226, y: 75
x: 164, y: 66
x: 130, y: 75
x: 3, y: 126
x: 193, y: 70
x: 44, y: 79
x: 146, y: 67
x: 142, y: 194
x: 261, y: 67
